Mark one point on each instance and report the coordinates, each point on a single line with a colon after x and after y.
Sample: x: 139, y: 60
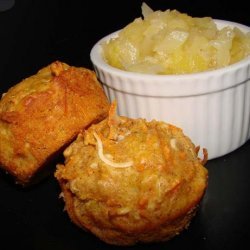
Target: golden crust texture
x: 129, y: 180
x: 44, y: 113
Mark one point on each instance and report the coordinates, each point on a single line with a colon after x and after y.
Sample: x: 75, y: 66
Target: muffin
x: 131, y: 181
x: 42, y: 114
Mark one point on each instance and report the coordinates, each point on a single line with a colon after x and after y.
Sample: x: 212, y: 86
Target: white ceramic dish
x: 212, y: 107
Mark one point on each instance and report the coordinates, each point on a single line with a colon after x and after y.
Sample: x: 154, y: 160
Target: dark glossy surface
x: 34, y: 33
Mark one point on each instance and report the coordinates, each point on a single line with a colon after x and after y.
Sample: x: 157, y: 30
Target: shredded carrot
x: 113, y: 121
x: 106, y: 160
x: 205, y: 156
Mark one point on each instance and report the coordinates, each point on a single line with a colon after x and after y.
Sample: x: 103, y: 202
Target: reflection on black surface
x: 6, y: 5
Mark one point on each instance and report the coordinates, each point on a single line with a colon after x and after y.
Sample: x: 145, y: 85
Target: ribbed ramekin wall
x: 218, y: 121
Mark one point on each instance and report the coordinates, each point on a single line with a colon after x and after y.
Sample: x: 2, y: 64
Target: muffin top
x: 137, y: 173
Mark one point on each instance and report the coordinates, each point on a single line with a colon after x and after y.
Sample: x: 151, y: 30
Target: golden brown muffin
x: 129, y: 180
x: 45, y: 112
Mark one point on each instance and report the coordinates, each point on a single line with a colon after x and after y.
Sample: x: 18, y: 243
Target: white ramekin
x: 212, y: 107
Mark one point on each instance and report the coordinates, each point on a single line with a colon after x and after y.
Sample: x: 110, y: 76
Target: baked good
x: 129, y: 180
x: 43, y: 113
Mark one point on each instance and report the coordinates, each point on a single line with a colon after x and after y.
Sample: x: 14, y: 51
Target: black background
x: 35, y: 33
